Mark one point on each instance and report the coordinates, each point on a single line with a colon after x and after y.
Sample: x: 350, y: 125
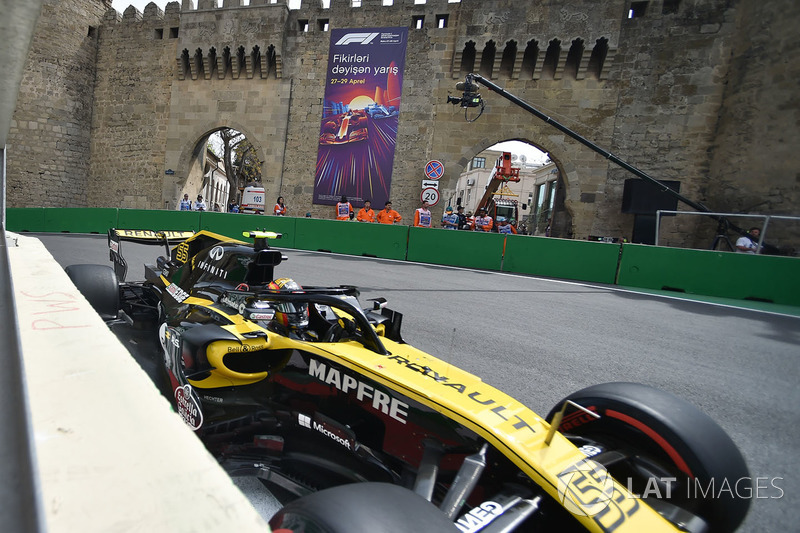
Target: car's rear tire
x: 676, y: 437
x: 99, y: 285
x: 362, y: 507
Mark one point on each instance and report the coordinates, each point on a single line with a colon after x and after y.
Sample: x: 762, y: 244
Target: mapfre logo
x: 355, y: 38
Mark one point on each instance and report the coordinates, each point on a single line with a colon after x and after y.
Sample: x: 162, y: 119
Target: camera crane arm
x: 471, y: 98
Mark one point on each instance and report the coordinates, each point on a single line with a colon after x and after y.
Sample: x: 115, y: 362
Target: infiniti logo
x: 216, y: 253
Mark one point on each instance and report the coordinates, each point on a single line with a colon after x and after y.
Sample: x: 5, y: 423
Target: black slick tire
x: 362, y: 507
x: 660, y: 426
x: 99, y: 285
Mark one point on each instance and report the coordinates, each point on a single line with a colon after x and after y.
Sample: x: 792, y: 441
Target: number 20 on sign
x: 430, y: 195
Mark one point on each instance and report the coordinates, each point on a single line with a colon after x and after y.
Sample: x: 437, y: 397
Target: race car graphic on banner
x: 360, y: 114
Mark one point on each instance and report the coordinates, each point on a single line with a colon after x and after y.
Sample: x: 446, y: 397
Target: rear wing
x: 116, y: 236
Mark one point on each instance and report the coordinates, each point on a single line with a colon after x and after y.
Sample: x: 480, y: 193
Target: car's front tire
x: 364, y: 507
x: 667, y: 435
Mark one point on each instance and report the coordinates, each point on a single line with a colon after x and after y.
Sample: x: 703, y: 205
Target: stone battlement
x: 153, y: 12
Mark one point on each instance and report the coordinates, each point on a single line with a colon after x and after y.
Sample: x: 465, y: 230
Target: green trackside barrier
x: 157, y: 220
x: 79, y: 219
x: 25, y: 219
x: 234, y: 224
x: 562, y: 258
x: 711, y: 273
x: 456, y: 248
x: 354, y: 238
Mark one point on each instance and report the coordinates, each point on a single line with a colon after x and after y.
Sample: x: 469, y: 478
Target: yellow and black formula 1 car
x: 359, y: 431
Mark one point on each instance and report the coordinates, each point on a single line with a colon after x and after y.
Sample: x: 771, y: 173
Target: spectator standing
x: 462, y: 218
x: 483, y: 222
x: 422, y: 216
x: 343, y: 209
x: 366, y: 213
x: 387, y: 215
x: 748, y: 244
x: 217, y: 208
x: 504, y: 227
x: 233, y: 207
x: 186, y: 204
x: 280, y: 207
x: 199, y: 205
x: 450, y: 219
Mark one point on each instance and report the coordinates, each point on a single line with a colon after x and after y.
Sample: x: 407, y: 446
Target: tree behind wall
x: 239, y: 157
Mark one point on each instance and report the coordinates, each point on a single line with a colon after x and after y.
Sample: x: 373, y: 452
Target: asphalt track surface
x: 541, y: 339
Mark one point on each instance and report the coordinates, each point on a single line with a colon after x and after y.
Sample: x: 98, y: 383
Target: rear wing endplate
x: 116, y: 236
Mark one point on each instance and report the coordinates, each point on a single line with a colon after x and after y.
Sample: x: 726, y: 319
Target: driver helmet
x: 291, y: 315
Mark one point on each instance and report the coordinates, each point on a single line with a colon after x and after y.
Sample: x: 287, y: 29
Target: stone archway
x: 186, y: 174
x: 567, y: 194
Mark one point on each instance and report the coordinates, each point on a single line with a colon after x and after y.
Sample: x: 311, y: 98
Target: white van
x: 252, y: 200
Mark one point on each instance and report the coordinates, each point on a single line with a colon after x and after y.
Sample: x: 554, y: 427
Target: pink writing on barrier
x: 61, y: 308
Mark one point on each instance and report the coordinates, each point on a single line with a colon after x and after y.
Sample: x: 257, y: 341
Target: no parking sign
x: 434, y: 170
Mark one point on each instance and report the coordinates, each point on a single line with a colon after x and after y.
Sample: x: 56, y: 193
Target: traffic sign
x: 430, y: 183
x: 434, y: 170
x: 430, y: 195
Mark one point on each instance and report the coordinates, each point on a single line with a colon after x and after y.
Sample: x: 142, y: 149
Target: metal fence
x: 723, y: 237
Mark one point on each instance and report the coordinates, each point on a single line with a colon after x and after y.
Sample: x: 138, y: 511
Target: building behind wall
x: 534, y: 193
x: 696, y: 92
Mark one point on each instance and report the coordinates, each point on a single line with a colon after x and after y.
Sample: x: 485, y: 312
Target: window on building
x: 159, y: 33
x: 173, y: 33
x: 529, y: 60
x: 670, y: 7
x: 551, y: 58
x: 637, y: 10
x: 574, y: 56
x: 487, y: 59
x: 468, y: 58
x: 419, y: 20
x: 598, y: 58
x: 303, y: 24
x: 441, y: 21
x: 509, y: 58
x: 323, y: 24
x: 551, y: 201
x: 479, y: 162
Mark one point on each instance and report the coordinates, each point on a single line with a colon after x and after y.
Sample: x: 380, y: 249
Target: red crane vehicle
x: 498, y: 186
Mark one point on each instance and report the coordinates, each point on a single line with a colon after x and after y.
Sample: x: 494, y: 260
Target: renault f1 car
x: 325, y: 402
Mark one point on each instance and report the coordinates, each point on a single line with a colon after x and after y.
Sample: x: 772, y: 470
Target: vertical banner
x: 358, y: 130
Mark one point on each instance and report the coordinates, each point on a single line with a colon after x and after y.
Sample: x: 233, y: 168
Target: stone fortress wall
x: 699, y: 91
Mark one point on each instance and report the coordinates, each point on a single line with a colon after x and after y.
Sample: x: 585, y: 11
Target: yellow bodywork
x: 598, y: 501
